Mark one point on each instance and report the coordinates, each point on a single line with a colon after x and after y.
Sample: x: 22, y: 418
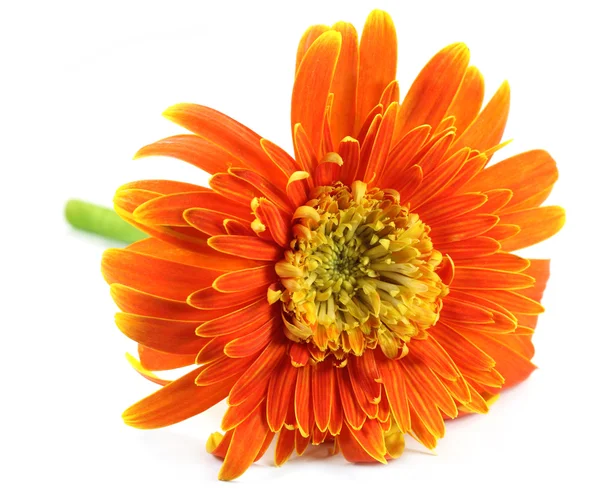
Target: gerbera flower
x: 363, y: 289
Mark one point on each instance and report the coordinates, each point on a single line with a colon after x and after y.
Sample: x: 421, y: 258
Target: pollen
x: 360, y: 272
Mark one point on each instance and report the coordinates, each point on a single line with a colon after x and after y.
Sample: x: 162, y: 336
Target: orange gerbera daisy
x: 364, y: 288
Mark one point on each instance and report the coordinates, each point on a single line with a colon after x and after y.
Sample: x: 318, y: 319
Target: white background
x: 83, y: 85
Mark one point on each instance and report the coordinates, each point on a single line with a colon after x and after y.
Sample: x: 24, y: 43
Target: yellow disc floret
x: 359, y: 272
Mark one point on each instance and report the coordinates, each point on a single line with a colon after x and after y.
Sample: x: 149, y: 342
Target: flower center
x: 359, y: 272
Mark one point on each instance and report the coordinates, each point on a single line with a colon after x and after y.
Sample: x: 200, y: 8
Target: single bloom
x: 363, y: 289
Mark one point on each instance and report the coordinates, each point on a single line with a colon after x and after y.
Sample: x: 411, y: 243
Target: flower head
x: 361, y: 290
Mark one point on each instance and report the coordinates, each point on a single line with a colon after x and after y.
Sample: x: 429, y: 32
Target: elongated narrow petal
x: 486, y: 130
x: 225, y: 132
x: 246, y: 247
x: 344, y: 84
x: 177, y: 401
x: 246, y: 443
x: 153, y: 275
x: 526, y: 175
x: 378, y: 56
x: 245, y: 279
x: 195, y: 150
x: 313, y: 84
x: 468, y: 100
x: 434, y: 89
x: 138, y: 302
x: 250, y: 317
x: 536, y: 225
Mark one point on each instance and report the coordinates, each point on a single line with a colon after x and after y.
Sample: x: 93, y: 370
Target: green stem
x: 101, y: 221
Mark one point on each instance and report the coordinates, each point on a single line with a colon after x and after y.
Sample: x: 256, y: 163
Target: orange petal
x: 402, y: 153
x: 233, y: 188
x: 297, y: 188
x: 496, y: 200
x: 323, y: 386
x: 279, y: 395
x: 365, y: 379
x: 536, y: 225
x: 526, y: 175
x: 210, y: 299
x: 236, y: 227
x: 510, y: 364
x: 395, y: 389
x: 166, y: 335
x: 470, y: 168
x: 285, y: 446
x: 280, y: 157
x: 246, y: 443
x: 499, y: 261
x: 161, y: 187
x: 461, y: 350
x: 440, y: 177
x: 301, y: 442
x: 208, y: 221
x: 451, y: 207
x: 202, y: 257
x: 463, y: 228
x: 138, y: 302
x: 366, y: 146
x: 487, y: 129
x: 155, y: 360
x: 177, y: 401
x: 355, y: 416
x: 313, y: 83
x: 411, y: 182
x: 277, y: 224
x: 433, y: 355
x: 390, y: 94
x: 253, y: 342
x: 477, y: 246
x: 245, y: 280
x: 169, y: 209
x: 192, y: 149
x: 434, y: 89
x: 235, y: 415
x: 147, y: 374
x: 351, y: 449
x: 502, y: 232
x: 259, y: 373
x: 468, y: 100
x: 483, y: 278
x: 304, y: 150
x: 336, y: 420
x: 344, y: 84
x: 370, y: 438
x: 228, y: 134
x: 533, y: 201
x: 246, y: 247
x: 154, y: 275
x: 381, y: 145
x: 302, y: 402
x: 214, y: 348
x: 308, y: 38
x: 378, y: 56
x: 248, y: 318
x: 263, y: 185
x: 513, y: 301
x: 465, y: 312
x: 420, y: 432
x: 429, y: 386
x: 349, y: 150
x: 220, y: 369
x: 422, y: 405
